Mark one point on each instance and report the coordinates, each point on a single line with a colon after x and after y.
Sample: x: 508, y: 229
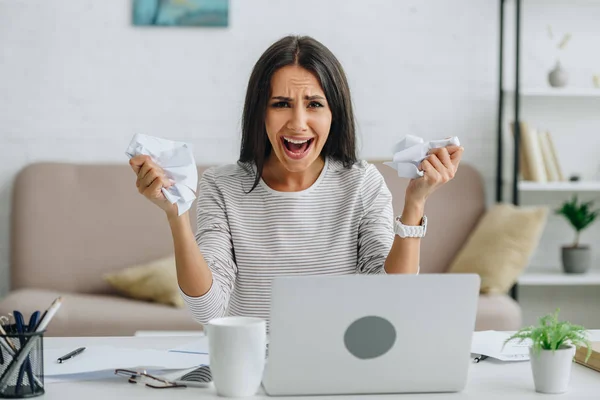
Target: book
x: 549, y: 162
x: 555, y: 157
x: 594, y: 360
x: 524, y: 169
x: 532, y: 153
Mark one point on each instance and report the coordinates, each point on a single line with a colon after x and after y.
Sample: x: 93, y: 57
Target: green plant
x: 579, y: 215
x: 551, y: 334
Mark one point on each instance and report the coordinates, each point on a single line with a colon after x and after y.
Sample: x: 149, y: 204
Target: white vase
x: 552, y: 369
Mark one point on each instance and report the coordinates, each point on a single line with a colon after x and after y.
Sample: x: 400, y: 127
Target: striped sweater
x: 342, y: 224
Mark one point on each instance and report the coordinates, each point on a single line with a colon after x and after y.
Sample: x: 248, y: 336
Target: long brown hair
x: 313, y: 56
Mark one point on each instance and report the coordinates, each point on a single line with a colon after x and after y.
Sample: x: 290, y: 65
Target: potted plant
x: 577, y: 258
x: 553, y: 346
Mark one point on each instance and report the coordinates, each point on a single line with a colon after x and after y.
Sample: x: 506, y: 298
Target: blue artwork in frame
x: 213, y: 13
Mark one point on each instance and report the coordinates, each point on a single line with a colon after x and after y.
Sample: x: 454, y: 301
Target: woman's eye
x: 281, y: 104
x: 314, y: 104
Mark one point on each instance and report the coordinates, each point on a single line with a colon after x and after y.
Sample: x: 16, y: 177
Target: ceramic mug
x: 236, y: 347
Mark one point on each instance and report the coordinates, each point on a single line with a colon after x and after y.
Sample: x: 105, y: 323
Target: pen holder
x: 21, y: 364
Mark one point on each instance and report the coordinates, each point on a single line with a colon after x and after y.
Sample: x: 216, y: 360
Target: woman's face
x: 298, y: 117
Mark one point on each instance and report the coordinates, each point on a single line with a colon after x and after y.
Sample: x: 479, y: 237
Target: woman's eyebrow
x: 283, y: 98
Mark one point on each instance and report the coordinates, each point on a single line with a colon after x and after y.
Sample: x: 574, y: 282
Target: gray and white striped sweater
x: 342, y: 224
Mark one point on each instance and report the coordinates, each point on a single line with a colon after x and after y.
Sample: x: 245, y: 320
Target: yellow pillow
x: 501, y: 246
x: 155, y: 281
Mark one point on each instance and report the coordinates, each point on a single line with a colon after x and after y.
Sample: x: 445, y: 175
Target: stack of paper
x: 199, y: 346
x: 491, y: 344
x: 97, y: 361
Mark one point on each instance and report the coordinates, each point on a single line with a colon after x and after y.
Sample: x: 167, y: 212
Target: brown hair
x: 313, y: 56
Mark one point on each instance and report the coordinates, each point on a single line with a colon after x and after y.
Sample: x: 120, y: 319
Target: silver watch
x: 410, y: 231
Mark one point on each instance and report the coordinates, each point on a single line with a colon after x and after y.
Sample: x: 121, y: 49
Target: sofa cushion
x: 99, y: 315
x: 155, y: 281
x: 497, y: 312
x: 501, y: 245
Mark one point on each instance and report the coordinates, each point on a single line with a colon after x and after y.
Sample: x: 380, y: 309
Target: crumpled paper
x: 411, y: 150
x: 177, y: 160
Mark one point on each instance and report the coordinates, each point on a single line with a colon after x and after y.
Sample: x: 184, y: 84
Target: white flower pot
x: 552, y: 369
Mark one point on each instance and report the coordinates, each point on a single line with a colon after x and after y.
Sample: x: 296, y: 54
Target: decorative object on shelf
x: 558, y: 77
x: 596, y: 80
x: 577, y: 258
x: 207, y: 13
x: 553, y: 346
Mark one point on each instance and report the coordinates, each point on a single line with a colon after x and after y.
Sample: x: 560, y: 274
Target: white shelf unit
x: 556, y: 92
x: 535, y: 97
x: 559, y: 278
x: 579, y: 186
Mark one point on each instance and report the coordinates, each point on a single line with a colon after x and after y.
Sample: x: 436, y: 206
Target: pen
x: 48, y: 314
x: 479, y: 358
x: 71, y: 355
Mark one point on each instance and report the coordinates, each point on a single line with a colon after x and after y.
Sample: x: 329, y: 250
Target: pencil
x: 3, y: 332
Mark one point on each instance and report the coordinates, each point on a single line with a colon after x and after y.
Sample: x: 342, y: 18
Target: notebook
x: 594, y: 360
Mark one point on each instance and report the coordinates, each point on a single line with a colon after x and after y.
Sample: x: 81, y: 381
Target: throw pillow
x: 155, y: 281
x: 501, y: 246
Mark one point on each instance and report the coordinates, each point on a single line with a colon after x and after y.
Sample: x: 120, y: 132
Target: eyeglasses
x: 149, y: 380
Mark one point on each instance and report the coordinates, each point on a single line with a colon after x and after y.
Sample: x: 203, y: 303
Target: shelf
x: 559, y: 278
x: 581, y: 186
x: 556, y: 92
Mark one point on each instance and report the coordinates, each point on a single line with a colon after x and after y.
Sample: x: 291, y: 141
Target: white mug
x: 236, y: 348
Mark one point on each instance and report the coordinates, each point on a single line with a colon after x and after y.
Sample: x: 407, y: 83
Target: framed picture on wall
x: 207, y: 13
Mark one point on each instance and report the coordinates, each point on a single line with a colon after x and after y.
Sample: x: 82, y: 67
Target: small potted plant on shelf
x: 553, y: 346
x: 577, y: 258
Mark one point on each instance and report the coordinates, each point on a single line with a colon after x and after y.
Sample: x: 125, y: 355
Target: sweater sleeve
x: 376, y: 229
x: 214, y: 240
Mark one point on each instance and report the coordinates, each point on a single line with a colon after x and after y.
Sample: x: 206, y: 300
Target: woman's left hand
x: 438, y: 168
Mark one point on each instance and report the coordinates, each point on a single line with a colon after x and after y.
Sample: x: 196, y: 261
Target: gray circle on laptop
x: 370, y: 337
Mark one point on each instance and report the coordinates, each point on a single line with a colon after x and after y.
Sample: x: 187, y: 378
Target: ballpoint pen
x: 480, y: 357
x: 70, y: 355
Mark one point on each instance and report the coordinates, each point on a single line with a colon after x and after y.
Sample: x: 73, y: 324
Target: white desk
x: 488, y: 380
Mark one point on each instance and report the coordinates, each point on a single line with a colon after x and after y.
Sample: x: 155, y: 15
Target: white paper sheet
x: 102, y: 358
x: 411, y: 150
x: 199, y: 346
x: 171, y: 374
x: 177, y: 160
x: 490, y: 343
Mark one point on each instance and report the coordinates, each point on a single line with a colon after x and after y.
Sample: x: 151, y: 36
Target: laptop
x: 366, y: 334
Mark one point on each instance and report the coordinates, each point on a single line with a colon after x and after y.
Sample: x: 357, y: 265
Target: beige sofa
x: 72, y: 223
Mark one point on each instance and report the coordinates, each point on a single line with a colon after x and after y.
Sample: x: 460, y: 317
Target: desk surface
x: 488, y: 380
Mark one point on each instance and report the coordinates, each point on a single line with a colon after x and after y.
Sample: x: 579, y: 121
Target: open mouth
x: 297, y: 148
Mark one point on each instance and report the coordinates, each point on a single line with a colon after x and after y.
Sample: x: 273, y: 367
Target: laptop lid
x: 358, y: 334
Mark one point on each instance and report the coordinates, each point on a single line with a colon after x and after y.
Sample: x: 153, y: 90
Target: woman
x: 298, y: 201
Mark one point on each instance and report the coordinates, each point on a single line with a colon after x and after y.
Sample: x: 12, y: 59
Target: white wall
x: 77, y: 80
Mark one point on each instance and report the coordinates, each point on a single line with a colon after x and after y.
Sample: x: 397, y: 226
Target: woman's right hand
x: 151, y: 178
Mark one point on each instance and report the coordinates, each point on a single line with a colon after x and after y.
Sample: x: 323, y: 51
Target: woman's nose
x: 298, y: 121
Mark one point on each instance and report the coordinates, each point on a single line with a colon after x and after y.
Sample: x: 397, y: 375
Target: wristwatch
x: 410, y: 231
